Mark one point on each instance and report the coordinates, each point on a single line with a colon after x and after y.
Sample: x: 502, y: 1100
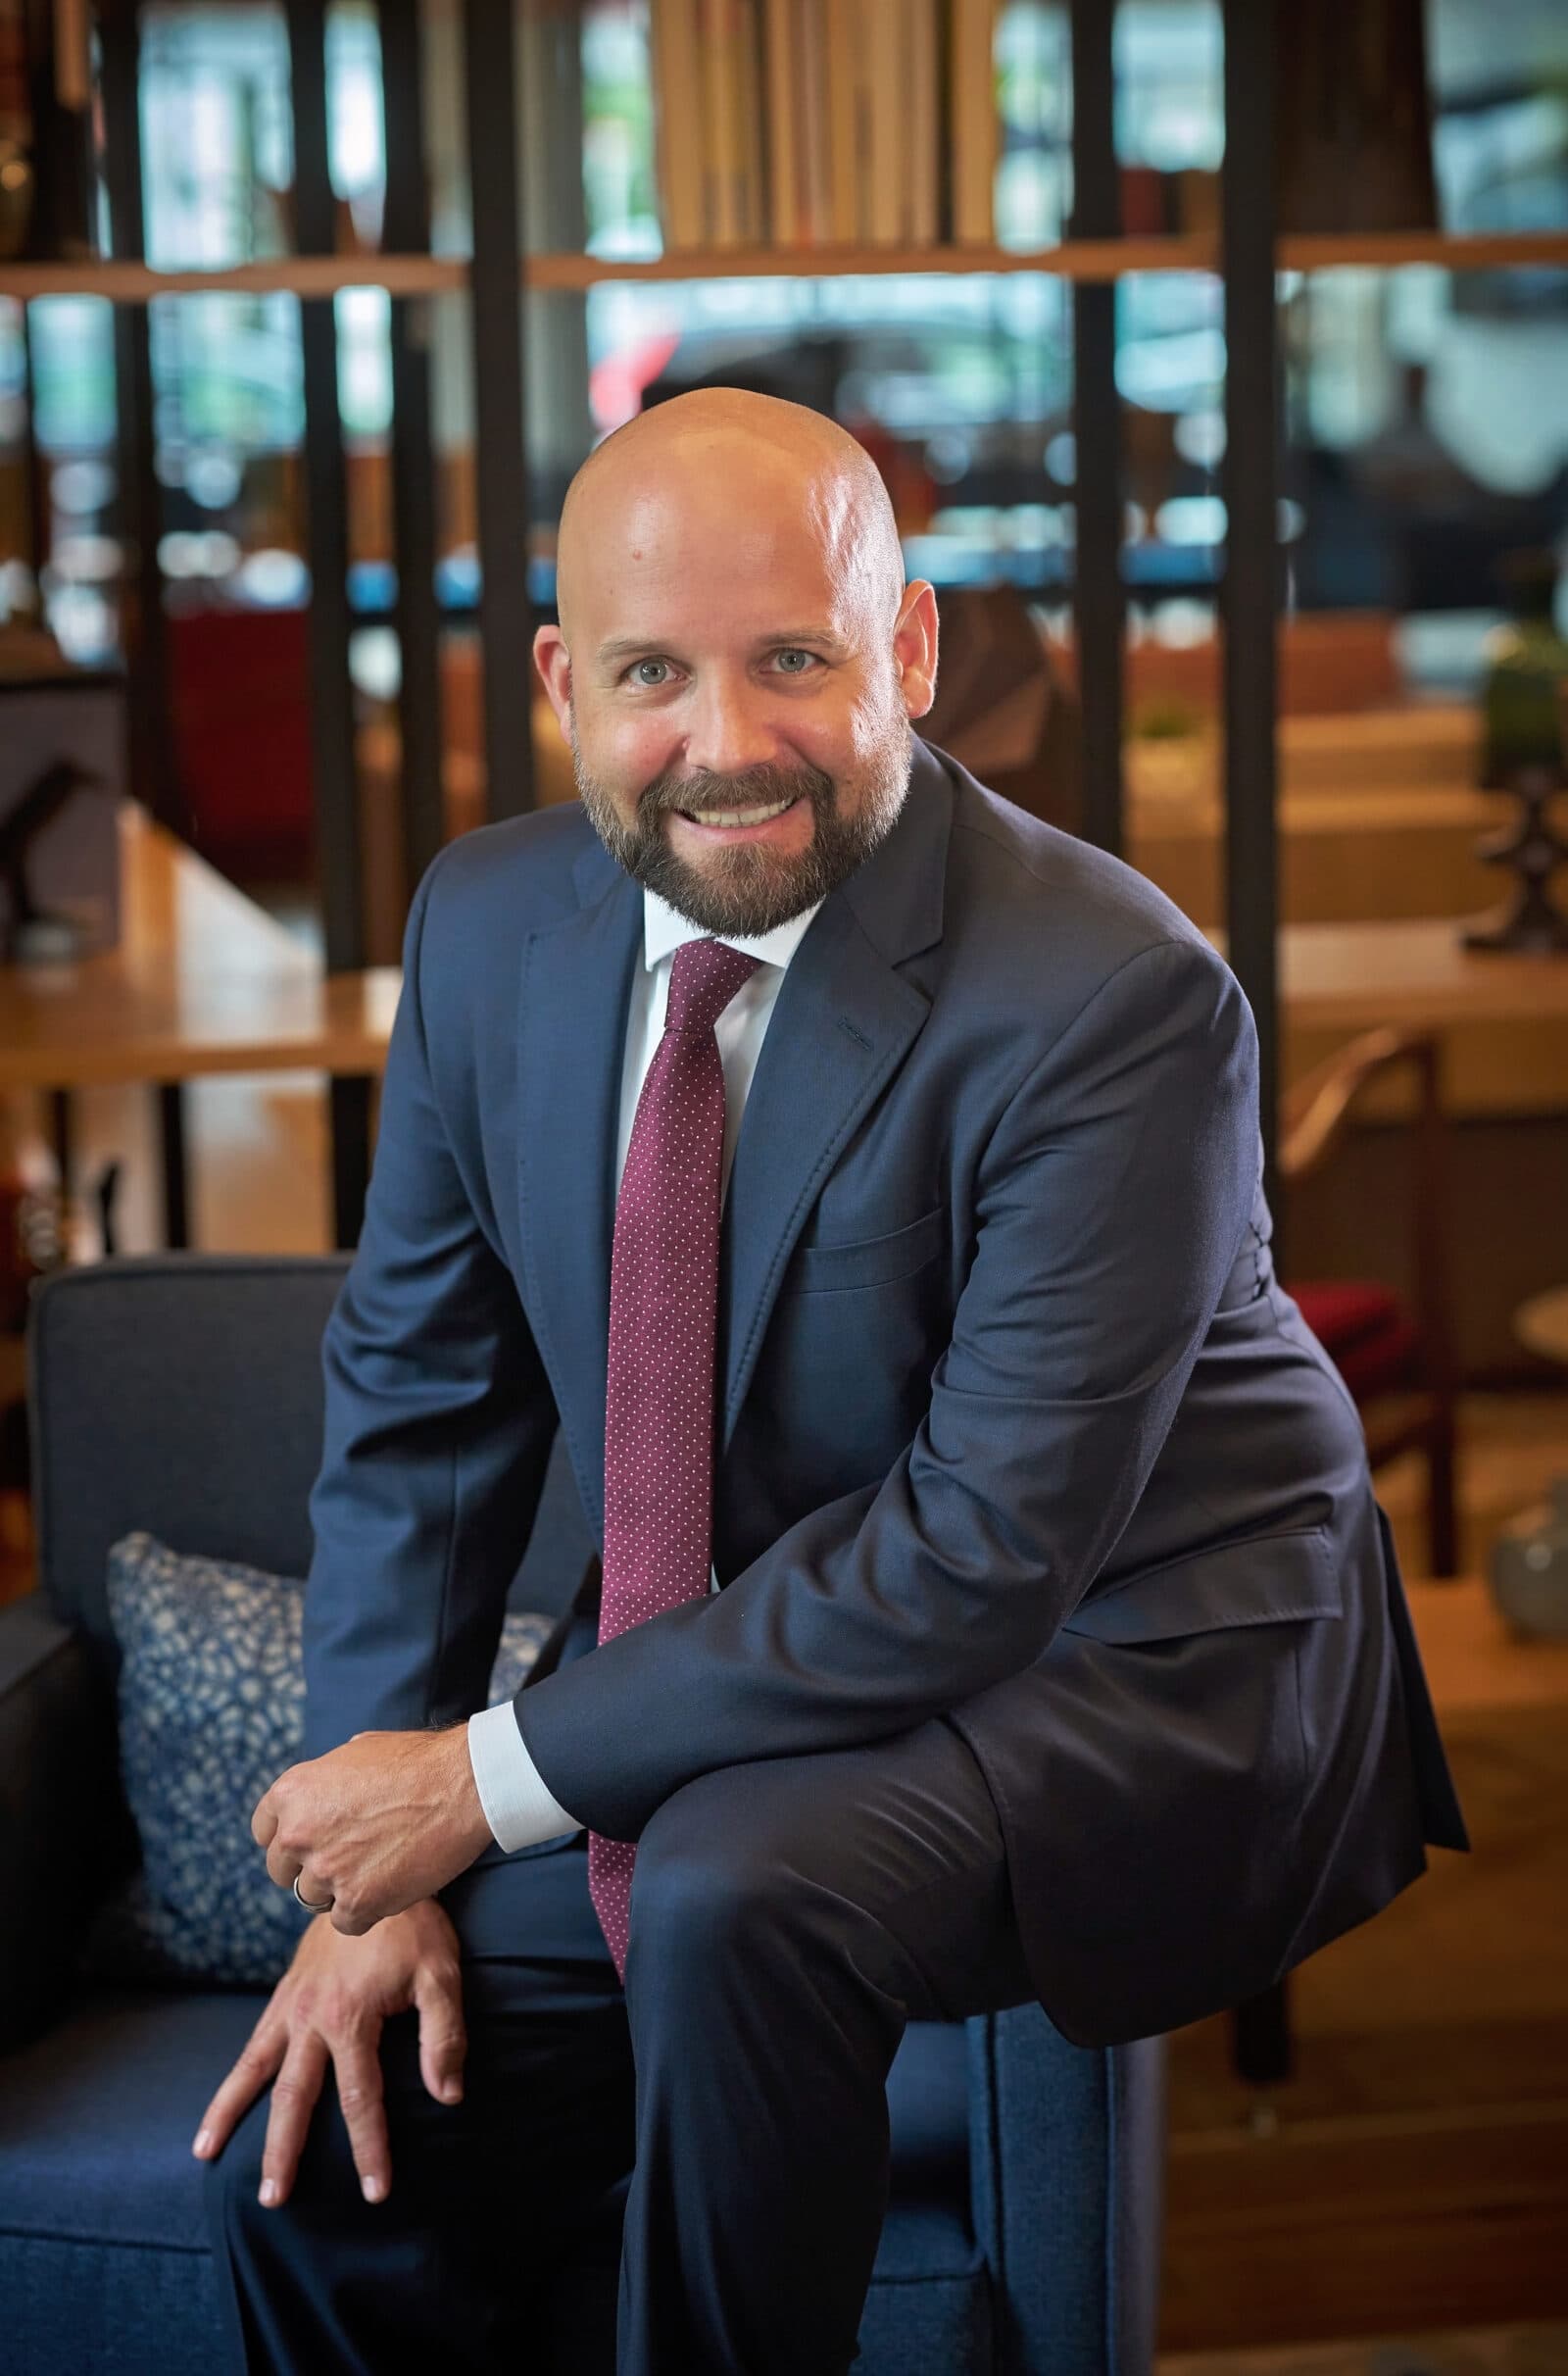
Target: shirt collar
x: 666, y: 929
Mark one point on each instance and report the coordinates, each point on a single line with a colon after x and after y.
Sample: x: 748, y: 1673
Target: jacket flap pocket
x: 1261, y: 1581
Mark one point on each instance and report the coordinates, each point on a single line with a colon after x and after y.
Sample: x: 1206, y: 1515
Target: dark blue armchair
x: 182, y: 1393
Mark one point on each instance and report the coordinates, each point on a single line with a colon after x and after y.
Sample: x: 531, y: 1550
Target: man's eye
x: 794, y: 664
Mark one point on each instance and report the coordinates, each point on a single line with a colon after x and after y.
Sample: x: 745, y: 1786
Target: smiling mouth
x: 738, y: 820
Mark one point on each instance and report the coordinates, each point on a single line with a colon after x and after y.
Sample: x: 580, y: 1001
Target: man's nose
x: 731, y: 728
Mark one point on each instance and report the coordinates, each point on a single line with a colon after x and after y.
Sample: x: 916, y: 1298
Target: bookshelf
x: 1385, y: 251
x: 1076, y: 260
x: 920, y: 195
x: 1088, y: 261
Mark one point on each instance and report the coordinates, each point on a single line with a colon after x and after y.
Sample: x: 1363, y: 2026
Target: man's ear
x: 554, y: 663
x: 914, y: 646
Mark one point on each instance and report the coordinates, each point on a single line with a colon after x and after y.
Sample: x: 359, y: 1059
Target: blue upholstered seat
x: 101, y: 2214
x: 182, y: 1393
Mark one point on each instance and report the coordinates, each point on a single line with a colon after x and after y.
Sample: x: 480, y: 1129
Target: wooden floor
x: 1511, y: 2351
x: 1412, y: 2174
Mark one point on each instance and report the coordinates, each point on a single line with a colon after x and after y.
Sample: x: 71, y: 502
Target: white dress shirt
x: 517, y: 1807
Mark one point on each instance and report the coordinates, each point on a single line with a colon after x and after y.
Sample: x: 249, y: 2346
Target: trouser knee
x: 714, y: 1894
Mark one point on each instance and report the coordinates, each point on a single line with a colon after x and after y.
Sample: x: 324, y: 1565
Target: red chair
x: 240, y: 693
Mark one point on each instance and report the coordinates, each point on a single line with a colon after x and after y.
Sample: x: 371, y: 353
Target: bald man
x: 1045, y: 1639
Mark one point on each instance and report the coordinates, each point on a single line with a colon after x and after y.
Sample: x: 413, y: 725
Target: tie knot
x: 703, y: 980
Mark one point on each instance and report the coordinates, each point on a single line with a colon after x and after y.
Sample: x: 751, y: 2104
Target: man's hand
x: 329, y: 2007
x: 387, y: 1819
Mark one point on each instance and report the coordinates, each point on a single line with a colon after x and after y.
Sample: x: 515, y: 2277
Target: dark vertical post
x: 406, y: 231
x: 333, y: 755
x: 501, y: 463
x: 138, y: 508
x: 350, y: 1153
x: 1098, y: 605
x: 177, y: 1164
x: 1248, y: 606
x: 62, y: 1136
x: 1249, y: 590
x: 36, y: 473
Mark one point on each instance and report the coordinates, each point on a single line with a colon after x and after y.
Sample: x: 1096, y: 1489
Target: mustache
x: 717, y: 800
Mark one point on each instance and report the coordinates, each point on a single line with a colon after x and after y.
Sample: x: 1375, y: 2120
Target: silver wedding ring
x: 305, y: 1902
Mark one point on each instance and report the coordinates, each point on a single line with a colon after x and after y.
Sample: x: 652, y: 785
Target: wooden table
x: 1504, y: 1015
x: 1542, y: 1323
x: 201, y: 982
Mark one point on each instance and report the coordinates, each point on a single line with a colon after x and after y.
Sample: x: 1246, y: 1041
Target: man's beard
x: 748, y: 889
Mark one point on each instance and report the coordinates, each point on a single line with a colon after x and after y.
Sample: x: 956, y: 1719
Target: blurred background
x: 1217, y: 362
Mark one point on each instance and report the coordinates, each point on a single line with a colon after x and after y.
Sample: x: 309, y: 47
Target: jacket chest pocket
x: 876, y: 1262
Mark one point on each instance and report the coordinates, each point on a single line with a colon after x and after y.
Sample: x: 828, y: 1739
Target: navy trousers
x: 788, y: 1918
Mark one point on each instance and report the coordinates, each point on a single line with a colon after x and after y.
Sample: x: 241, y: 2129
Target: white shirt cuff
x: 517, y: 1807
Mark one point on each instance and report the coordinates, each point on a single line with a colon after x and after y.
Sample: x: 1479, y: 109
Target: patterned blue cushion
x: 212, y: 1703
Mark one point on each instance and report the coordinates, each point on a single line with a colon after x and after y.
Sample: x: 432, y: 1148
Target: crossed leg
x: 788, y: 1918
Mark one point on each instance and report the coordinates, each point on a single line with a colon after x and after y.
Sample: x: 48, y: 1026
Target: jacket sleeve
x: 1111, y: 1200
x: 438, y: 1426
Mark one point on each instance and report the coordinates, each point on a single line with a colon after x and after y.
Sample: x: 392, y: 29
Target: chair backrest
x: 184, y: 1393
x: 179, y: 1393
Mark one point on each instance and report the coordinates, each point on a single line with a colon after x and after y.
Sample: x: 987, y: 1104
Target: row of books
x: 46, y: 145
x: 814, y: 123
x: 806, y: 123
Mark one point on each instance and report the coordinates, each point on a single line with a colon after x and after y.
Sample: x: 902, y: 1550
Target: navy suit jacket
x: 1015, y: 1424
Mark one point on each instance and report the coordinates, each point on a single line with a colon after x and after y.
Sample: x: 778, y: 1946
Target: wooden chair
x: 1396, y: 1355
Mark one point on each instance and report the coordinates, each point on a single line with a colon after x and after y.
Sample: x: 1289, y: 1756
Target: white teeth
x: 741, y: 816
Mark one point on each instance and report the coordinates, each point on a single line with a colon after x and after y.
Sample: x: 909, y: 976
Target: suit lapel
x: 841, y: 1025
x: 576, y: 980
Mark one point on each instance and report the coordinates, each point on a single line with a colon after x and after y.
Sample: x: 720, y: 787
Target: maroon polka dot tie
x: 664, y: 1301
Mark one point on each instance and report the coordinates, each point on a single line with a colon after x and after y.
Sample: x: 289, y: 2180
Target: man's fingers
x: 443, y: 2037
x: 283, y: 1867
x: 358, y: 2057
x: 295, y: 2091
x: 263, y: 2053
x: 265, y: 1820
x: 311, y: 1893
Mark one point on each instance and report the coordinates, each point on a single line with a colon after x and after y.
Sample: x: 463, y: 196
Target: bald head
x: 717, y: 462
x: 737, y: 656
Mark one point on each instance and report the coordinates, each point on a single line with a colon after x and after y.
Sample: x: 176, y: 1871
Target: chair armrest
x: 1066, y: 2160
x: 61, y: 1812
x: 1315, y: 1113
x: 1314, y: 1119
